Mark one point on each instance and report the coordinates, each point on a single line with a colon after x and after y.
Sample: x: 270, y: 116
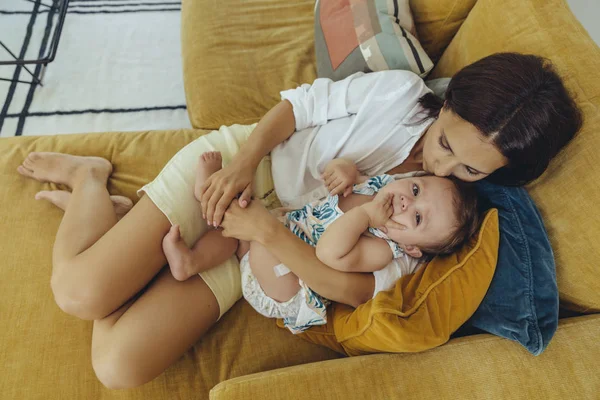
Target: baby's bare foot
x: 208, y: 163
x: 62, y: 168
x: 178, y: 254
x: 61, y: 198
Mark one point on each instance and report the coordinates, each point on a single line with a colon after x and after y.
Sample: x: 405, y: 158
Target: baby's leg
x: 210, y: 250
x: 262, y: 262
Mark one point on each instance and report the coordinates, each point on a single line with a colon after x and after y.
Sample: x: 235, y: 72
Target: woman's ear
x: 443, y: 109
x: 413, y: 251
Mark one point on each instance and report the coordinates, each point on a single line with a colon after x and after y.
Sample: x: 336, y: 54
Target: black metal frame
x: 61, y: 6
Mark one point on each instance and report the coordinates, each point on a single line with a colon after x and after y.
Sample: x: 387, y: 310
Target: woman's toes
x: 60, y: 198
x: 32, y: 158
x: 42, y: 195
x: 24, y: 171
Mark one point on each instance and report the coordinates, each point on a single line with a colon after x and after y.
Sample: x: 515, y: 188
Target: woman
x: 505, y: 117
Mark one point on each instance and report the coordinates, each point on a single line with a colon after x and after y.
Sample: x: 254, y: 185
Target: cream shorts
x: 173, y: 193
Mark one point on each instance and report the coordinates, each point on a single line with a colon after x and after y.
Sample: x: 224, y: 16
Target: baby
x: 363, y: 225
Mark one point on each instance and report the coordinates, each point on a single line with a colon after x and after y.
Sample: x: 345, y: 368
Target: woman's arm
x: 344, y: 247
x: 255, y: 223
x: 276, y: 126
x: 219, y: 189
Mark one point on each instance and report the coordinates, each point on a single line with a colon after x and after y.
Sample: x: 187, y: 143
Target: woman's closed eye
x: 444, y: 143
x: 471, y: 171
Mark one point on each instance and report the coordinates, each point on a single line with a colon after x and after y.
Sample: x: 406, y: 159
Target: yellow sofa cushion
x: 45, y: 353
x: 567, y: 194
x: 238, y: 56
x: 437, y: 22
x: 423, y: 309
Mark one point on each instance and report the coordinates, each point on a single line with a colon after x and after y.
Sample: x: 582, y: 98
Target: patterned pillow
x: 367, y: 36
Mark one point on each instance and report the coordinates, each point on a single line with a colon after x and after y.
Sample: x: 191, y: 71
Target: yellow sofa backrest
x: 238, y: 55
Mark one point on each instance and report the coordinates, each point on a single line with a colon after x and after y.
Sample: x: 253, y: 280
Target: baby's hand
x: 379, y: 210
x: 339, y: 177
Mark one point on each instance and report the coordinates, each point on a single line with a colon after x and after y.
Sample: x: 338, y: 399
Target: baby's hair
x: 464, y: 198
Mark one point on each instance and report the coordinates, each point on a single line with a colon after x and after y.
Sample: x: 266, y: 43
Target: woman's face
x: 453, y: 146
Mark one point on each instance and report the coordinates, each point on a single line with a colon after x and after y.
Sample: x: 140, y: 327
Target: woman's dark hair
x: 518, y: 101
x: 466, y: 210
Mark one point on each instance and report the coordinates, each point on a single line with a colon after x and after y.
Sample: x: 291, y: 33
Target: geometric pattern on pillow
x: 367, y: 36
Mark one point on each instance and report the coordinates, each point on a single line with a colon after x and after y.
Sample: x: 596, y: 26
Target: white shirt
x: 372, y: 119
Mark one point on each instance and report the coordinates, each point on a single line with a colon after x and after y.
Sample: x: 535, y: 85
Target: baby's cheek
x: 396, y: 235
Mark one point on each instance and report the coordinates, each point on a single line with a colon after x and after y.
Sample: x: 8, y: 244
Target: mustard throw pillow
x: 423, y: 309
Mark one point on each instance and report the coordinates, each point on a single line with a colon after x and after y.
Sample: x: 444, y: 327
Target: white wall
x: 588, y: 12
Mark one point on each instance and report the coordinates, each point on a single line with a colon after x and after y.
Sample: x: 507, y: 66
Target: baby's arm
x: 340, y: 175
x: 344, y: 247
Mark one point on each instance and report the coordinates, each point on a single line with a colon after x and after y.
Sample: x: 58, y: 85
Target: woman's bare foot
x: 60, y: 198
x: 179, y: 256
x: 63, y: 168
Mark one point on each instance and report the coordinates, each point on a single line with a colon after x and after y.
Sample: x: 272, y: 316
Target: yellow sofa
x: 237, y: 56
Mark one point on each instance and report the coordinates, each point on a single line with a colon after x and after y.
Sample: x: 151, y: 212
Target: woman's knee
x: 79, y: 300
x: 116, y: 370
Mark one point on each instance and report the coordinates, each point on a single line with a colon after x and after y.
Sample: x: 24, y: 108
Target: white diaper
x: 262, y: 303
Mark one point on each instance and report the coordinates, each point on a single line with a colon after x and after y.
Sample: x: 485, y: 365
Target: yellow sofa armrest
x: 481, y: 366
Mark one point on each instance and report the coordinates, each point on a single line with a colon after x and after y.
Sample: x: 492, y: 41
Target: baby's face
x: 424, y: 208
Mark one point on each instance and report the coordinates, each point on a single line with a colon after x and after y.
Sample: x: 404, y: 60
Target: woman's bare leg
x: 60, y: 198
x: 97, y: 265
x: 139, y: 341
x: 90, y: 213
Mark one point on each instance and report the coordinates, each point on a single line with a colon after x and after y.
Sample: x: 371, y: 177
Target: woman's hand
x: 340, y: 176
x: 220, y: 189
x: 252, y: 223
x: 379, y: 210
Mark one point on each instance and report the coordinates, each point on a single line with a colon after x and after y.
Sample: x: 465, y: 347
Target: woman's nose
x: 443, y: 167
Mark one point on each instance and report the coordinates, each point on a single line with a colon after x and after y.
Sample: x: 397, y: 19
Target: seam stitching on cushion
x: 431, y: 287
x: 445, y: 21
